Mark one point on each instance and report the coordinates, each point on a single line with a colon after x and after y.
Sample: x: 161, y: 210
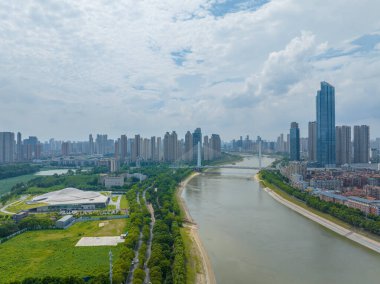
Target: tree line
x: 15, y: 170
x: 352, y: 216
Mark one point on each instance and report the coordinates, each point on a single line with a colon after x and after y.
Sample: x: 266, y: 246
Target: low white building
x: 113, y: 181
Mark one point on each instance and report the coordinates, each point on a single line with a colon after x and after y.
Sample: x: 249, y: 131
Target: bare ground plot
x: 99, y: 241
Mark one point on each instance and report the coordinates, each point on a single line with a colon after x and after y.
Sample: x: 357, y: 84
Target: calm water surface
x: 52, y: 172
x: 251, y: 238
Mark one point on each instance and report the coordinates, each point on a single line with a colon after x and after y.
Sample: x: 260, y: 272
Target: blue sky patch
x: 179, y: 57
x: 221, y: 8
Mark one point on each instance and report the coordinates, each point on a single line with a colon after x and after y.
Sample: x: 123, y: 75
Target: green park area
x: 53, y: 252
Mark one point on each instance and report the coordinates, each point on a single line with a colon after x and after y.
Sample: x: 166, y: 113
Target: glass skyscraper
x: 294, y: 142
x: 326, y: 126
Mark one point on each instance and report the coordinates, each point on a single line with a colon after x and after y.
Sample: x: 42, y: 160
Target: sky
x: 70, y: 68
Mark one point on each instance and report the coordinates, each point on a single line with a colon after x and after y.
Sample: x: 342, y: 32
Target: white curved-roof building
x: 70, y: 199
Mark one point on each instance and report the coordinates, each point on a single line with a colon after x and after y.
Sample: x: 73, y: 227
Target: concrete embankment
x: 358, y: 238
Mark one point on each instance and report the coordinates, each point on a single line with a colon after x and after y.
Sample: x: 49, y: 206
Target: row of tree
x: 15, y: 170
x: 9, y: 226
x: 349, y: 215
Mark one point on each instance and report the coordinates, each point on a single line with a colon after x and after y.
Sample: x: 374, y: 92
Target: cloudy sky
x: 70, y: 68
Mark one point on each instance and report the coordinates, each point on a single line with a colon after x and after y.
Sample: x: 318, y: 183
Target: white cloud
x: 110, y: 65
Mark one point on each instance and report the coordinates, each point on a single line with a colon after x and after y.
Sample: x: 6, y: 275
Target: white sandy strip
x: 99, y: 241
x: 367, y: 242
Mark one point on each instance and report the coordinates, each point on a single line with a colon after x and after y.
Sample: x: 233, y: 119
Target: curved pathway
x: 135, y: 261
x: 149, y: 247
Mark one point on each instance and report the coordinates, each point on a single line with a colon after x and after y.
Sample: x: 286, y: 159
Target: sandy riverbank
x: 207, y: 276
x: 358, y: 238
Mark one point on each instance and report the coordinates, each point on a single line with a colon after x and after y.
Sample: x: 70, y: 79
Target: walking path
x: 149, y: 247
x: 135, y: 261
x: 367, y: 242
x: 4, y: 209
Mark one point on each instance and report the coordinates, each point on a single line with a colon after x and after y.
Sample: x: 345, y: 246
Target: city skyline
x: 235, y: 66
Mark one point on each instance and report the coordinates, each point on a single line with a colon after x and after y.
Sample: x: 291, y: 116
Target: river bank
x: 349, y: 234
x: 206, y: 275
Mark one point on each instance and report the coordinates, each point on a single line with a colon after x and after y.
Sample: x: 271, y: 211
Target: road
x: 4, y: 209
x: 135, y: 261
x: 149, y: 247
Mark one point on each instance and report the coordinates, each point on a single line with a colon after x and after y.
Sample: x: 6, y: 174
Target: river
x: 251, y: 238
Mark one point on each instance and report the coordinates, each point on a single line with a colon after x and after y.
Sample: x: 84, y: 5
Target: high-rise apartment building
x: 343, y: 145
x: 7, y: 143
x: 206, y: 148
x: 136, y: 148
x: 325, y: 103
x: 153, y: 151
x: 159, y: 149
x: 294, y: 142
x: 170, y: 147
x: 123, y: 147
x: 91, y: 146
x: 65, y: 148
x: 361, y: 144
x: 188, y: 147
x: 215, y: 143
x: 312, y: 141
x: 19, y: 148
x: 197, y: 137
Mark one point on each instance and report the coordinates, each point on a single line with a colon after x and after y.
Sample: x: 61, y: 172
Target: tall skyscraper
x: 170, y: 147
x: 361, y: 144
x: 325, y: 103
x: 159, y: 149
x: 215, y: 147
x: 197, y: 137
x: 136, y: 148
x: 65, y: 148
x: 19, y: 148
x: 206, y: 148
x: 188, y: 147
x: 91, y: 145
x: 294, y: 142
x: 7, y: 142
x: 123, y: 147
x: 153, y: 152
x: 312, y: 141
x: 343, y: 145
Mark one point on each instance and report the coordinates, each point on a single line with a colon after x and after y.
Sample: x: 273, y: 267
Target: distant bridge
x: 230, y: 167
x: 224, y: 167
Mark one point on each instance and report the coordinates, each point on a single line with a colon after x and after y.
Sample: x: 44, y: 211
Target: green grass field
x: 8, y: 183
x: 124, y: 202
x: 53, y: 252
x: 21, y: 205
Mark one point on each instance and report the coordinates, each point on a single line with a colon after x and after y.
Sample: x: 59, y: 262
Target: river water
x: 251, y: 238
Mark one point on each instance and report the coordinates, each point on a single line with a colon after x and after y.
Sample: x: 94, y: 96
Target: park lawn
x: 124, y: 202
x: 115, y: 198
x: 53, y: 252
x: 7, y: 184
x: 17, y: 207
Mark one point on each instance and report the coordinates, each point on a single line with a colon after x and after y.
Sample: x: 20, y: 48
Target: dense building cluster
x: 125, y: 149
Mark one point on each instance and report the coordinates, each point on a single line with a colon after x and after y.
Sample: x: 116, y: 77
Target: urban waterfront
x: 251, y: 238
